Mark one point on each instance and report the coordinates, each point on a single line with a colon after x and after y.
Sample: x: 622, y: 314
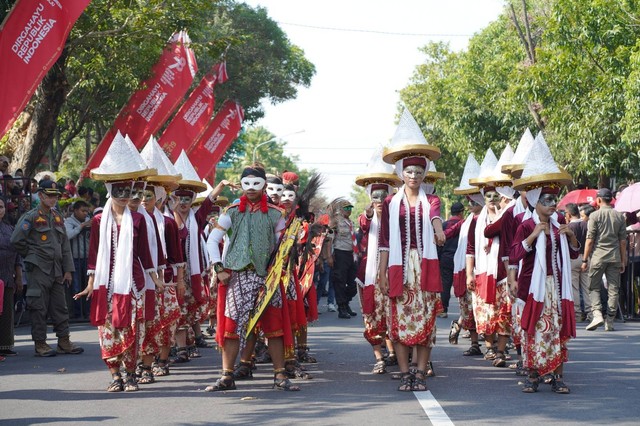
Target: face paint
x: 121, y: 189
x: 137, y: 192
x: 185, y: 196
x: 492, y: 196
x: 148, y: 195
x: 379, y: 195
x: 413, y: 171
x: 347, y: 208
x: 275, y: 189
x: 288, y: 196
x: 255, y: 183
x: 548, y: 200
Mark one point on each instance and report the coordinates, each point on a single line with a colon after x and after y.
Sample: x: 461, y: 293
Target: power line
x: 356, y: 30
x: 331, y: 163
x: 324, y: 148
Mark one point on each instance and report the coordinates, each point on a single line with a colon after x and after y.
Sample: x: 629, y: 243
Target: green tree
x: 570, y: 67
x: 270, y: 155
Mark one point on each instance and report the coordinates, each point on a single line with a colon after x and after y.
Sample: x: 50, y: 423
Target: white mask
x: 288, y: 196
x: 275, y: 189
x: 255, y: 183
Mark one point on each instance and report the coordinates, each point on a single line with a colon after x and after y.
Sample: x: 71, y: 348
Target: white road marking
x: 432, y: 409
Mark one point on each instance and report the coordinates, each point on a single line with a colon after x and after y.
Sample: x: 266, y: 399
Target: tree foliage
x: 270, y: 155
x: 568, y: 67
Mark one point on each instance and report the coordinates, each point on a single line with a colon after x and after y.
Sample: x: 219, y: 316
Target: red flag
x: 31, y: 41
x: 215, y: 141
x: 192, y: 117
x: 151, y: 105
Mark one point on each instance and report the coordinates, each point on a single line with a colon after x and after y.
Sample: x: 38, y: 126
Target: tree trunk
x: 50, y: 97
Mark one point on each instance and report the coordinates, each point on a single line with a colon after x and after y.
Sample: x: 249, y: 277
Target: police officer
x: 40, y: 238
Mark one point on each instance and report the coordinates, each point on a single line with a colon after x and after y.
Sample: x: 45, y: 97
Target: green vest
x: 251, y: 239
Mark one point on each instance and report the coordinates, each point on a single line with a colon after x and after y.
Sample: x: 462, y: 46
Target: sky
x: 351, y: 106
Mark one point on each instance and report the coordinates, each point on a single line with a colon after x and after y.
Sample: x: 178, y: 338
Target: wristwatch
x: 218, y: 267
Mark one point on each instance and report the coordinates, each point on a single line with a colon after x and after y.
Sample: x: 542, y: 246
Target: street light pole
x: 273, y: 139
x: 259, y: 145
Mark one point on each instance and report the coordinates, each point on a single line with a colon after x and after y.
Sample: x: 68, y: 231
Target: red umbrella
x: 579, y: 196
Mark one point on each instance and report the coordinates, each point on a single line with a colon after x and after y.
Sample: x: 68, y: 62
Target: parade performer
x: 545, y: 244
x: 119, y: 260
x: 254, y: 223
x: 191, y: 227
x: 379, y: 182
x: 408, y: 268
x: 486, y: 272
x: 507, y: 224
x: 275, y: 188
x: 160, y: 332
x: 466, y: 320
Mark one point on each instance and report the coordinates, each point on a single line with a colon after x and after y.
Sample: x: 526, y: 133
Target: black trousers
x: 446, y: 273
x: 343, y: 276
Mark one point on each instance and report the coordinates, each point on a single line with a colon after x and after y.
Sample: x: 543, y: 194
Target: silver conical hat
x: 190, y: 177
x: 121, y: 162
x: 409, y: 141
x: 471, y: 170
x: 540, y: 168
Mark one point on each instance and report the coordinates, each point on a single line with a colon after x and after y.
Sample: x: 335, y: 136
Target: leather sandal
x: 131, y: 385
x: 530, y: 385
x: 283, y: 384
x: 224, y: 383
x: 161, y: 368
x: 430, y: 371
x: 500, y: 360
x: 392, y: 359
x: 293, y: 371
x: 490, y: 355
x: 558, y: 385
x: 116, y: 385
x: 406, y: 382
x: 474, y: 350
x: 454, y: 332
x: 379, y: 367
x: 146, y: 376
x: 303, y: 355
x: 419, y: 382
x: 243, y: 371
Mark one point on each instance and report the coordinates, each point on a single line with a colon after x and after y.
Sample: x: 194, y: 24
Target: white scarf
x: 371, y: 270
x: 153, y: 247
x: 193, y: 248
x: 160, y: 222
x: 486, y: 263
x: 123, y: 264
x: 423, y: 223
x: 460, y: 256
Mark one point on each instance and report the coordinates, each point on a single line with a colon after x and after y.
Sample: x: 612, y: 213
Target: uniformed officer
x: 40, y: 238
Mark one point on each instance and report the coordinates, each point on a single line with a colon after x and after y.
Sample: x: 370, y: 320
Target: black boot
x: 342, y: 312
x: 349, y: 311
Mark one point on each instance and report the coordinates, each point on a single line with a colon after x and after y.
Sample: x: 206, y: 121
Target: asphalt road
x: 603, y: 374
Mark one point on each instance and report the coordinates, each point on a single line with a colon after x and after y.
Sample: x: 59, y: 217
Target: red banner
x: 31, y: 41
x: 151, y: 105
x: 192, y: 117
x: 221, y: 132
